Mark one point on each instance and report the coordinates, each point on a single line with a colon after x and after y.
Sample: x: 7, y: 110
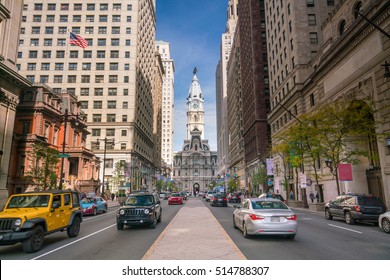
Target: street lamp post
x: 105, y: 140
x: 66, y: 115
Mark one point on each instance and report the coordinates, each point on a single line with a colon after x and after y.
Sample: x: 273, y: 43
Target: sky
x: 194, y: 30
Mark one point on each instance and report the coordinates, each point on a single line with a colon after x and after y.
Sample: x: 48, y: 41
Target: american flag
x: 77, y: 40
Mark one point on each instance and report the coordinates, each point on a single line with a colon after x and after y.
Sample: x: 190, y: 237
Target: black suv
x: 139, y: 209
x: 354, y: 207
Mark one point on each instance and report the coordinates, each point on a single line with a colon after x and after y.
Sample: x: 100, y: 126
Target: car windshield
x: 86, y: 200
x: 369, y: 201
x: 27, y: 201
x: 219, y: 195
x: 268, y: 205
x: 175, y: 195
x: 144, y: 200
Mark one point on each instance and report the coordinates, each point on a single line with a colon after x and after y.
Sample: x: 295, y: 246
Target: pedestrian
x: 311, y: 196
x: 292, y: 195
x: 112, y: 197
x: 318, y: 198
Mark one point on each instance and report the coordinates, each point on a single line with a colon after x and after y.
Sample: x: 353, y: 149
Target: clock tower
x: 195, y: 112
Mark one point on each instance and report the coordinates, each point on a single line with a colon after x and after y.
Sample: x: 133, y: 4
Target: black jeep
x: 139, y: 209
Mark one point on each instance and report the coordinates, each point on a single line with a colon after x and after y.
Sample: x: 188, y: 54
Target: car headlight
x: 121, y: 212
x: 146, y: 211
x: 18, y: 222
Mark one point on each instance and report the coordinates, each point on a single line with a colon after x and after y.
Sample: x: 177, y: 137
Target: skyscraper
x: 112, y: 76
x: 167, y: 102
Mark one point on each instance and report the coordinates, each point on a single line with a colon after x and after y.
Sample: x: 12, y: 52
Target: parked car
x: 209, y: 196
x: 167, y: 195
x: 234, y: 198
x: 175, y: 198
x: 30, y: 216
x: 139, y: 209
x: 219, y: 200
x: 162, y: 195
x: 384, y: 222
x: 93, y: 205
x: 183, y: 195
x: 355, y: 207
x: 265, y: 216
x: 274, y: 195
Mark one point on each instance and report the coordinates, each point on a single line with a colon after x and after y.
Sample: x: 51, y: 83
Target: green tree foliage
x: 260, y: 177
x: 119, y: 172
x: 43, y: 166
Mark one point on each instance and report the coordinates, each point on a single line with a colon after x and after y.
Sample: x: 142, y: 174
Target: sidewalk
x: 194, y: 234
x: 111, y: 203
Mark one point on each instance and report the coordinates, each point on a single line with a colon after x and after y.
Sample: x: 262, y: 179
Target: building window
x: 96, y: 132
x: 127, y: 66
x: 342, y: 27
x: 26, y: 127
x: 112, y: 91
x: 109, y: 162
x: 99, y: 79
x: 101, y: 54
x: 99, y: 66
x: 72, y: 66
x: 31, y: 66
x: 128, y: 30
x: 90, y: 18
x: 312, y: 20
x: 125, y: 92
x: 330, y: 2
x: 127, y: 54
x: 124, y: 132
x: 85, y: 78
x: 97, y: 104
x: 90, y: 7
x: 96, y: 118
x: 59, y: 66
x: 74, y: 54
x: 128, y: 19
x: 111, y: 104
x: 310, y: 3
x: 110, y: 117
x: 35, y: 30
x: 76, y: 30
x: 61, y: 42
x: 48, y: 42
x: 116, y: 7
x: 37, y: 18
x: 103, y: 7
x: 77, y: 18
x: 51, y: 7
x: 45, y: 66
x: 102, y: 18
x: 86, y: 66
x: 110, y: 132
x: 113, y: 79
x: 129, y: 7
x: 113, y: 66
x: 63, y: 18
x: 64, y: 7
x: 84, y: 104
x: 87, y: 54
x: 125, y: 105
x: 128, y: 42
x: 34, y: 42
x: 72, y: 79
x: 33, y: 54
x: 114, y: 42
x: 98, y: 92
x: 57, y: 78
x: 46, y: 54
x: 124, y: 118
x: 38, y: 7
x: 313, y: 38
x: 101, y: 42
x: 123, y: 146
x: 31, y: 78
x: 116, y: 18
x: 50, y: 18
x: 102, y: 30
x: 114, y: 54
x: 311, y: 100
x: 84, y: 91
x: 89, y: 30
x: 126, y: 79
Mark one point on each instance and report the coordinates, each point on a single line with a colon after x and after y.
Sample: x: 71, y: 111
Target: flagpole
x: 66, y: 60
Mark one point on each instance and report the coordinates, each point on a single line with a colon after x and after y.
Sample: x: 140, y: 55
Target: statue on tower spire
x: 195, y: 70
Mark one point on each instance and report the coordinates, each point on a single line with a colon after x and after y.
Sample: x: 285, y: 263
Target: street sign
x: 63, y: 155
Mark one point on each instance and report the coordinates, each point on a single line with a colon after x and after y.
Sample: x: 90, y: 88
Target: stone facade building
x: 195, y: 167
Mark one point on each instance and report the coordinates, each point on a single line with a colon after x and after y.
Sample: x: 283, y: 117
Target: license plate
x: 219, y: 199
x: 275, y: 219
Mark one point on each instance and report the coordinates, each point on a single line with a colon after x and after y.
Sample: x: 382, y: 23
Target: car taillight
x: 256, y: 217
x: 292, y: 218
x: 214, y: 198
x: 225, y: 198
x: 357, y: 208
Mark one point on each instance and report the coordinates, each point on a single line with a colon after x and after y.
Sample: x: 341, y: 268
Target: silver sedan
x: 265, y: 216
x: 384, y: 222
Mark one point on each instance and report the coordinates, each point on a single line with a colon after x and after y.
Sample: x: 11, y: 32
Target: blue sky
x: 194, y: 30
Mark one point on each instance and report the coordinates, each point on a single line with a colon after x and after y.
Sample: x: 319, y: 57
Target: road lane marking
x: 346, y: 228
x: 71, y: 243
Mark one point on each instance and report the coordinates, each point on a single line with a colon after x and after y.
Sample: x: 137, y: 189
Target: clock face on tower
x: 195, y: 106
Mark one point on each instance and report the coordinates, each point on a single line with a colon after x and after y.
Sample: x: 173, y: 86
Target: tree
x: 43, y: 162
x: 119, y: 172
x: 260, y: 177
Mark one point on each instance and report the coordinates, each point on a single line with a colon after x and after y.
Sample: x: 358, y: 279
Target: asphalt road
x: 99, y: 239
x: 317, y: 239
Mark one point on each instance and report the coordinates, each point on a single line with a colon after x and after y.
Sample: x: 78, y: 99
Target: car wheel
x: 328, y: 216
x: 386, y: 225
x: 348, y: 219
x: 119, y: 226
x: 153, y: 224
x: 234, y: 222
x: 94, y: 211
x: 74, y: 228
x: 245, y: 232
x: 35, y: 242
x: 159, y: 218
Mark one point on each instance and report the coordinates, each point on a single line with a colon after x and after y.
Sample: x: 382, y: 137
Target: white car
x: 209, y: 196
x: 384, y: 222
